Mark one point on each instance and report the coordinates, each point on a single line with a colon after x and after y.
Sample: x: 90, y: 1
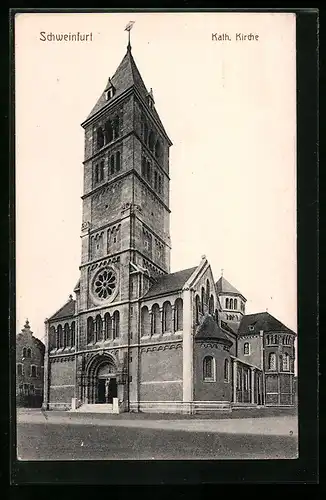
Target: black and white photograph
x: 156, y: 236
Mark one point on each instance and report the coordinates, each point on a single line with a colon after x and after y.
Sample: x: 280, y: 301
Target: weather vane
x: 129, y: 28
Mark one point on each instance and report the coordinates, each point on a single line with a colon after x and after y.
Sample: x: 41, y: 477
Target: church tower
x: 125, y: 234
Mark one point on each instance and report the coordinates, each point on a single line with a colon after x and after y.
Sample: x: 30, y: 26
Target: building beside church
x: 138, y: 337
x: 29, y: 368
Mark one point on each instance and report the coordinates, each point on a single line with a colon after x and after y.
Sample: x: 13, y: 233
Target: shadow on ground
x: 75, y: 442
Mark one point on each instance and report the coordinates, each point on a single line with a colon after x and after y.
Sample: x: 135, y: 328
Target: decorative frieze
x: 164, y: 347
x: 105, y: 263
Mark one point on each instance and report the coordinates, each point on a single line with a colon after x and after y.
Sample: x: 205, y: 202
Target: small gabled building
x: 29, y: 368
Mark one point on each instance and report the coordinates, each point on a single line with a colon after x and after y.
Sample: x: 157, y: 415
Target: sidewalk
x: 280, y: 426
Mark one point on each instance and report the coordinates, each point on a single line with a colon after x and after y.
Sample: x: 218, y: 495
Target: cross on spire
x: 222, y: 271
x: 129, y: 28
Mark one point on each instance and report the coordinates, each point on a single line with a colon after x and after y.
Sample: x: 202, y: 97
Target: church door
x: 112, y: 390
x: 101, y: 390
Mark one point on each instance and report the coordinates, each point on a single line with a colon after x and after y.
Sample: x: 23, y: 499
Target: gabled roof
x: 126, y: 76
x: 209, y: 330
x: 261, y: 321
x: 169, y: 283
x: 68, y: 309
x: 223, y: 286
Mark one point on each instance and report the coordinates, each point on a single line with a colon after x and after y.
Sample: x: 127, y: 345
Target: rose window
x: 105, y: 284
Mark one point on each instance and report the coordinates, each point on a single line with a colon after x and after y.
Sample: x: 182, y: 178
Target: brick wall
x: 219, y: 390
x: 159, y: 364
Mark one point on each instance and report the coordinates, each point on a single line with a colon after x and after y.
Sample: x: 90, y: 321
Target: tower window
x: 109, y: 93
x: 116, y: 127
x: 108, y: 131
x: 235, y: 304
x: 151, y: 141
x: 101, y: 170
x: 99, y: 138
x: 96, y: 175
x: 112, y: 165
x: 118, y: 162
x: 143, y: 166
x: 286, y: 362
x: 226, y: 303
x: 155, y: 180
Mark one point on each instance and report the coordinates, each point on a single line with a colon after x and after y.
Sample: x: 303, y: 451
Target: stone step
x: 97, y: 408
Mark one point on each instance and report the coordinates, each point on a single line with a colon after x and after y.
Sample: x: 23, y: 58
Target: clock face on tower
x: 104, y: 285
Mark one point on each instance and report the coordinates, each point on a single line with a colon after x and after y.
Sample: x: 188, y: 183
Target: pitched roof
x: 230, y: 326
x: 68, y: 309
x: 169, y: 283
x: 126, y: 76
x: 261, y: 321
x: 209, y: 330
x: 223, y: 286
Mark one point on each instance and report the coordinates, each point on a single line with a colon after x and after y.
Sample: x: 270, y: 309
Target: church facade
x: 138, y: 337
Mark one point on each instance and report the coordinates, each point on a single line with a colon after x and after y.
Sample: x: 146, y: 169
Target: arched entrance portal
x: 106, y: 381
x: 103, y: 380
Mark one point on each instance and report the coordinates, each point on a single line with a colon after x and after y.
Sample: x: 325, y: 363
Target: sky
x: 229, y: 108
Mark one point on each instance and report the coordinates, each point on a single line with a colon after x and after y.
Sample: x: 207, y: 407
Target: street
x: 67, y: 436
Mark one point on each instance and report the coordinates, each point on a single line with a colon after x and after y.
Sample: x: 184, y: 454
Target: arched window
x: 158, y: 149
x: 226, y: 370
x: 52, y: 339
x: 116, y: 127
x: 116, y: 324
x: 73, y: 334
x: 90, y: 330
x: 143, y: 166
x: 167, y: 317
x: 286, y: 362
x: 216, y: 316
x: 226, y: 303
x: 272, y: 361
x: 208, y: 291
x: 151, y: 141
x: 24, y: 352
x: 231, y: 303
x: 145, y: 133
x: 145, y: 326
x: 209, y: 368
x: 178, y: 315
x: 66, y: 335
x: 198, y: 307
x: 155, y: 180
x: 108, y: 132
x: 98, y: 327
x: 96, y: 173
x: 246, y: 348
x: 29, y: 352
x: 211, y: 305
x: 102, y: 170
x: 112, y: 164
x: 100, y: 138
x: 202, y: 299
x: 118, y: 161
x: 107, y: 327
x: 148, y: 171
x: 59, y: 336
x: 155, y: 319
x: 235, y: 304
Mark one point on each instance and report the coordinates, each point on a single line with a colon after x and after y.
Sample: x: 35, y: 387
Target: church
x: 136, y: 337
